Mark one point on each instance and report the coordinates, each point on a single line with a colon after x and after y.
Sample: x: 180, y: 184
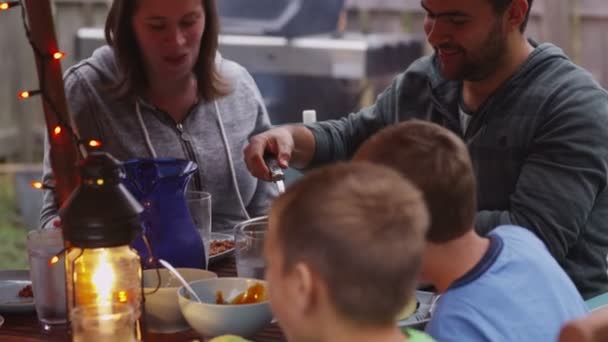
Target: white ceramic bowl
x: 210, y: 319
x: 162, y: 307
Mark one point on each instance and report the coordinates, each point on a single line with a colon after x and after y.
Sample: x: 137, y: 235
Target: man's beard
x: 487, y: 59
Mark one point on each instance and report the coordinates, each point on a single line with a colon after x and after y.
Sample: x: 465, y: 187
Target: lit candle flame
x: 104, y: 279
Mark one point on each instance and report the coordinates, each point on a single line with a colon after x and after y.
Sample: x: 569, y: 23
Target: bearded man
x: 535, y: 124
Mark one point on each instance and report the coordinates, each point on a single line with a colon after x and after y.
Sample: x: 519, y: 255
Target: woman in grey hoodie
x: 160, y: 89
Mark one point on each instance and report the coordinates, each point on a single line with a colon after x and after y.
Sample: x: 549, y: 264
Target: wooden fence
x: 578, y: 26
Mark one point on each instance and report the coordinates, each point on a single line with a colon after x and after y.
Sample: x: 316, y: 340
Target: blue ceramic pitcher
x: 160, y: 185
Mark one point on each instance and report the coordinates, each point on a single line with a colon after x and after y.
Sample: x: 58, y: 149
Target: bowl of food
x: 221, y: 246
x: 163, y: 314
x: 236, y: 306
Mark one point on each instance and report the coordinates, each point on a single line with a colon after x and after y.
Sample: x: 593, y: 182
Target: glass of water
x: 249, y: 247
x: 48, y: 279
x: 199, y: 205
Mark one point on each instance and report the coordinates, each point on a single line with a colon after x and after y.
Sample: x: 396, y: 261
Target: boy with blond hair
x: 343, y: 251
x: 501, y: 287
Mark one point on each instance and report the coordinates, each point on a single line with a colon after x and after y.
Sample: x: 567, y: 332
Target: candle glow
x: 103, y: 280
x: 103, y: 277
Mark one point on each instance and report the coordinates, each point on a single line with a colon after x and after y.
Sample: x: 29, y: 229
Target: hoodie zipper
x: 186, y: 143
x: 190, y: 154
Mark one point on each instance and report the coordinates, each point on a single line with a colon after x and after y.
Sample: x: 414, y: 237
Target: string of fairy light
x: 62, y: 127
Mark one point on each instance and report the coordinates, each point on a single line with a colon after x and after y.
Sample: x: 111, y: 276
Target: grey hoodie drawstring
x: 144, y: 130
x: 230, y: 162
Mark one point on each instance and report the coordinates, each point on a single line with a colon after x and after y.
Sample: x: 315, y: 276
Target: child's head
x: 438, y: 163
x: 346, y: 239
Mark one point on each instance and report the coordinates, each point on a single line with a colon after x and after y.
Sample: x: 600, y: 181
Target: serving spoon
x: 180, y: 278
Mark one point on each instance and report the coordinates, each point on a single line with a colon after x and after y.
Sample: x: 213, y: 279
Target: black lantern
x: 100, y: 220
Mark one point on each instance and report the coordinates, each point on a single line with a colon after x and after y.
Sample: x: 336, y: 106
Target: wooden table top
x: 26, y: 328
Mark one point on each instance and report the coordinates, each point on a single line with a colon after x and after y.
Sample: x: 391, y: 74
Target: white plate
x: 11, y: 282
x: 422, y: 315
x: 1, y: 320
x: 220, y: 237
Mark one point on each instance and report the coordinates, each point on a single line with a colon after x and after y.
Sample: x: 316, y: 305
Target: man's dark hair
x: 501, y: 5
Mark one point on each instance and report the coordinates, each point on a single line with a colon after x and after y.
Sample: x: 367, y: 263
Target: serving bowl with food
x: 237, y: 306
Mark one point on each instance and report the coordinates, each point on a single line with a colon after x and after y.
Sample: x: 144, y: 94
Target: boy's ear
x: 305, y: 290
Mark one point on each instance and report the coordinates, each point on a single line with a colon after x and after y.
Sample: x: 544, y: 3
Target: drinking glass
x: 48, y: 279
x: 199, y: 205
x: 249, y: 247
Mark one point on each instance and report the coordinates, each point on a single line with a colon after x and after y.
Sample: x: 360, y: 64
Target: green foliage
x: 12, y: 231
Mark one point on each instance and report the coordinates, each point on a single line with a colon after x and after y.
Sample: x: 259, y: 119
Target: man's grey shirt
x: 539, y: 146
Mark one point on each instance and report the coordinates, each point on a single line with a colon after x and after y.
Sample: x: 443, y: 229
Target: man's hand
x: 278, y: 142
